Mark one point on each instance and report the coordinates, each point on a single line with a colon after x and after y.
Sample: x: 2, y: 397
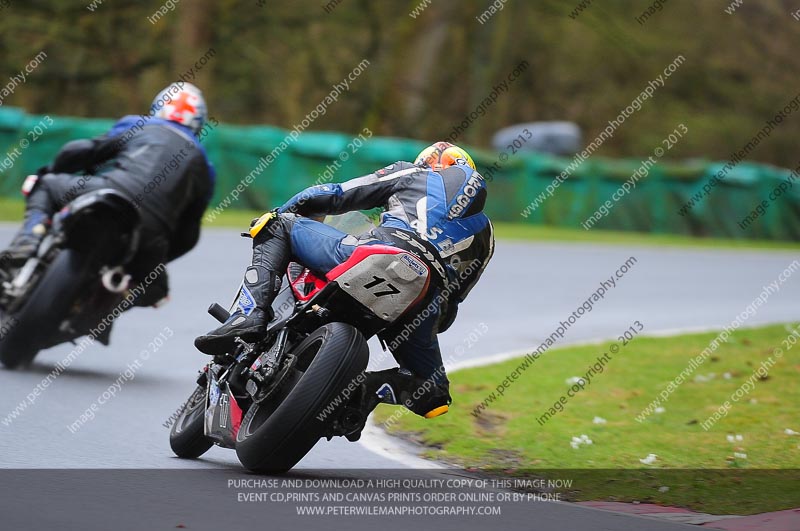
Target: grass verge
x: 526, y: 232
x: 702, y: 470
x: 11, y: 209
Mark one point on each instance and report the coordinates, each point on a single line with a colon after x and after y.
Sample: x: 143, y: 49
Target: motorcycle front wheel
x: 186, y: 437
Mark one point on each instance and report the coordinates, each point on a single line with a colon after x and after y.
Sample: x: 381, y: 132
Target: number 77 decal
x: 377, y: 281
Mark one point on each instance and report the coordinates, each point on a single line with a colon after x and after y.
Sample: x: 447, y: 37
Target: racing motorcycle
x: 273, y: 399
x: 76, y: 277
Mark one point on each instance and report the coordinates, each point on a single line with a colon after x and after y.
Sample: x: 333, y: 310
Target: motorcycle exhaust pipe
x: 116, y: 280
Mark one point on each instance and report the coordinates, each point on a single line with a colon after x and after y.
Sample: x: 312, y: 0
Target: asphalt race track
x: 527, y: 289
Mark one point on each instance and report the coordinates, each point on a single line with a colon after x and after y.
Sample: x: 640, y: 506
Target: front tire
x: 276, y: 434
x: 47, y: 306
x: 187, y: 437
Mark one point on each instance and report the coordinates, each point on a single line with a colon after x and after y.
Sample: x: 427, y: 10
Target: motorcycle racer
x: 155, y: 160
x: 433, y: 207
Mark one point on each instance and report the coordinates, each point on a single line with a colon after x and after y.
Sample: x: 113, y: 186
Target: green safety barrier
x: 652, y: 206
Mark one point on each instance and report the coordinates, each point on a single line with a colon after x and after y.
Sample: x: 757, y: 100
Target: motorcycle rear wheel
x: 49, y: 303
x: 276, y: 434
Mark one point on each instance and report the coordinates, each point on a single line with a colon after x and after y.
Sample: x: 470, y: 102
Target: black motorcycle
x: 76, y: 277
x: 272, y: 400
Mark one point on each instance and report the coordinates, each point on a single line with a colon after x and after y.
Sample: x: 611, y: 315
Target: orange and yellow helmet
x: 441, y: 155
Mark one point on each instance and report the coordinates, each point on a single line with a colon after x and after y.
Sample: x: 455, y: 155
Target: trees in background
x: 275, y: 61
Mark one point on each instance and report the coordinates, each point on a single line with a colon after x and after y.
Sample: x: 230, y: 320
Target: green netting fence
x: 652, y: 206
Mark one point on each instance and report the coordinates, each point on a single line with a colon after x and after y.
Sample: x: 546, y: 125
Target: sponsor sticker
x: 246, y: 302
x: 415, y: 265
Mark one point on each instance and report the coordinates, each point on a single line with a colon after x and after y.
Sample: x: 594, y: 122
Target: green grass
x: 519, y: 231
x: 11, y: 210
x: 507, y: 435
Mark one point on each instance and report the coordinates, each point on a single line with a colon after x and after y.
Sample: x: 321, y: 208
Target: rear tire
x: 187, y: 437
x: 47, y: 306
x: 275, y: 435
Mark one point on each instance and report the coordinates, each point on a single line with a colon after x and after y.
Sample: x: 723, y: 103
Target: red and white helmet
x: 181, y: 103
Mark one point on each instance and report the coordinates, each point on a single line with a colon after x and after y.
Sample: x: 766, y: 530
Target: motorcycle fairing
x: 385, y: 279
x: 305, y: 284
x: 223, y: 416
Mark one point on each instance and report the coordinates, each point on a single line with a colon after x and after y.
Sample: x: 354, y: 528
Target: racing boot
x: 249, y: 321
x: 399, y: 386
x: 422, y: 396
x: 26, y: 241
